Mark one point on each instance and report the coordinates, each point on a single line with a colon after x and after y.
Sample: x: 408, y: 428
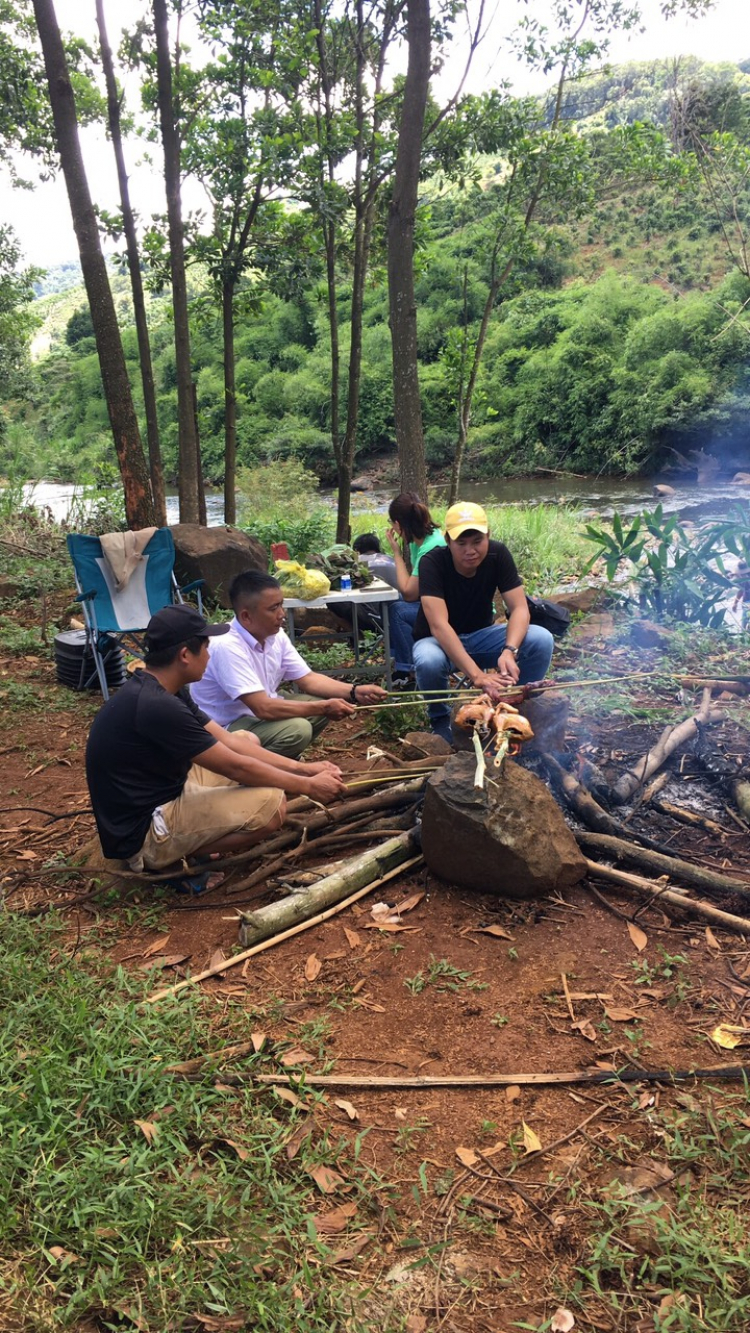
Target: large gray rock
x: 509, y: 838
x: 215, y: 555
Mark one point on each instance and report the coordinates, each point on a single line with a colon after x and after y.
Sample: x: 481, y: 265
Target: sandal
x: 195, y: 882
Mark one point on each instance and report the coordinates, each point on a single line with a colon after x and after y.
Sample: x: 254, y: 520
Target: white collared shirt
x: 240, y: 664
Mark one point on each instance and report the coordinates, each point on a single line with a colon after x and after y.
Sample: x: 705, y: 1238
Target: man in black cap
x: 167, y: 783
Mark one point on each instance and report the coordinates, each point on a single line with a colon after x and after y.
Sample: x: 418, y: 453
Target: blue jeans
x: 402, y: 618
x: 484, y: 646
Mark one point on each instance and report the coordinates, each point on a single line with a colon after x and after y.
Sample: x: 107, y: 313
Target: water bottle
x: 346, y: 582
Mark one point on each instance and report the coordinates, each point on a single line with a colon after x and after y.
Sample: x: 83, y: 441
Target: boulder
x: 508, y: 838
x: 361, y: 484
x: 741, y: 479
x: 648, y: 634
x: 423, y: 744
x: 581, y: 599
x: 215, y: 555
x: 662, y: 492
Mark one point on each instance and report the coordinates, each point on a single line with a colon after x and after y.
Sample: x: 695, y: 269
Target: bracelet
x: 509, y: 649
x: 353, y: 694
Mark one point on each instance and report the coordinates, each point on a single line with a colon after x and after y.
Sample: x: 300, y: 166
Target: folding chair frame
x: 102, y: 640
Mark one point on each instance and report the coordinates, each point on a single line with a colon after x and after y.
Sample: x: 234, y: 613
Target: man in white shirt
x: 240, y: 687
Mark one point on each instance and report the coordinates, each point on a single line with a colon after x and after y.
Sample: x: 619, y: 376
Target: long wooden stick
x: 430, y: 1082
x: 693, y: 906
x: 697, y: 876
x: 278, y: 939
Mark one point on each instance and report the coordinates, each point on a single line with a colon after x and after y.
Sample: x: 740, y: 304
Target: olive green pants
x: 290, y: 736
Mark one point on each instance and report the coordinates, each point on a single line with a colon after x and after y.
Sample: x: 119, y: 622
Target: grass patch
x: 684, y: 1258
x: 129, y: 1195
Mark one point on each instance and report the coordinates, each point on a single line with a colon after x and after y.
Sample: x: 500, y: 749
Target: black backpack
x: 549, y: 615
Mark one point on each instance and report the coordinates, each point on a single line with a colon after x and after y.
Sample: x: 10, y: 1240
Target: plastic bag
x: 296, y: 581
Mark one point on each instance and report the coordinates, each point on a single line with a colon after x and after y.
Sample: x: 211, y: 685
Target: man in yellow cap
x: 455, y: 627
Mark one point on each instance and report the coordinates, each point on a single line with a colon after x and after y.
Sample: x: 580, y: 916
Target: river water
x: 592, y: 496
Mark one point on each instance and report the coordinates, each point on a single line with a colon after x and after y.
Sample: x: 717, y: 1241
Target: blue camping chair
x: 115, y: 618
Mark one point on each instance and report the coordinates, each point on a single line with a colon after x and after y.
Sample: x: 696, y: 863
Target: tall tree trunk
x: 189, y: 464
x: 230, y: 404
x: 134, y: 268
x: 139, y: 505
x: 401, y: 220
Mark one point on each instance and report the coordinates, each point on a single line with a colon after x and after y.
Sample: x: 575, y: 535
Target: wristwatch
x: 509, y: 649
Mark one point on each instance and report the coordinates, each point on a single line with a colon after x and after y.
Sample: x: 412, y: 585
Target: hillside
x: 614, y: 342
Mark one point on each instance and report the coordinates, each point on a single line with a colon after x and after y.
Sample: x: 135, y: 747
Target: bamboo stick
x: 279, y: 939
x: 353, y: 874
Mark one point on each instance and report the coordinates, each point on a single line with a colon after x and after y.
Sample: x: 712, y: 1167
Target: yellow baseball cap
x: 465, y: 517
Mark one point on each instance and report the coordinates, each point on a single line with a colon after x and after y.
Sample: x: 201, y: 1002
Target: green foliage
x: 114, y: 1174
x: 677, y: 575
x: 277, y: 503
x: 685, y: 1267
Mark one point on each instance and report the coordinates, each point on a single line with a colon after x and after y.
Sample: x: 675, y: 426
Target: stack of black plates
x: 75, y: 666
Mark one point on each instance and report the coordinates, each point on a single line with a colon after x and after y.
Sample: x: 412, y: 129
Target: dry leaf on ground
x: 148, y: 1129
x: 531, y: 1141
x: 312, y: 967
x: 296, y: 1057
x: 336, y: 1220
x: 728, y: 1035
x: 156, y: 946
x: 467, y: 1156
x: 638, y: 936
x: 346, y: 1107
x: 562, y: 1321
x: 326, y: 1180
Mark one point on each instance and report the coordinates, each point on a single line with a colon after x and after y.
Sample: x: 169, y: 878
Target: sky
x: 42, y: 219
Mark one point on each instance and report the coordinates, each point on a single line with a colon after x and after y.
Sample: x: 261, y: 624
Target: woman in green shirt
x: 412, y: 522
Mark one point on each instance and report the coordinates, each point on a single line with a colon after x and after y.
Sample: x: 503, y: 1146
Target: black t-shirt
x: 469, y: 601
x: 139, y: 753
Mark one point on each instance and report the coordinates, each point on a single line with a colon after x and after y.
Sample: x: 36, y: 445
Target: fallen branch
x: 671, y: 739
x: 655, y: 890
x: 279, y: 939
x: 429, y: 1082
x: 697, y: 876
x: 364, y: 869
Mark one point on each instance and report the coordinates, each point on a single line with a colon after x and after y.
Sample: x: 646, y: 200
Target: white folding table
x: 377, y: 592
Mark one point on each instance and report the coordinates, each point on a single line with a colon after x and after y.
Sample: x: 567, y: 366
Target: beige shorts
x: 209, y: 807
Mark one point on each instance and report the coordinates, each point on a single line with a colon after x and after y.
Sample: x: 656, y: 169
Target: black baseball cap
x: 174, y: 625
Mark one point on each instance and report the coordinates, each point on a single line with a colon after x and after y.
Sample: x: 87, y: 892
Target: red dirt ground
x: 510, y: 1248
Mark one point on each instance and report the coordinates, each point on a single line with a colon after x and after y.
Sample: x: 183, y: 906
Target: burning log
x: 671, y: 739
x: 697, y: 876
x: 717, y: 766
x: 588, y: 809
